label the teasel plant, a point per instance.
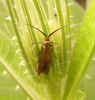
(74, 48)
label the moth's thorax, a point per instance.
(46, 44)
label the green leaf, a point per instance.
(88, 84)
(8, 88)
(12, 63)
(83, 52)
(42, 16)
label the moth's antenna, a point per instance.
(34, 27)
(61, 28)
(57, 30)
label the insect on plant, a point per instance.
(45, 53)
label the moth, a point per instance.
(45, 53)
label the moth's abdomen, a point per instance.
(45, 58)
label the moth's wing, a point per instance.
(41, 61)
(47, 68)
(47, 60)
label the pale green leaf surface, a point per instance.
(8, 88)
(7, 84)
(88, 84)
(11, 62)
(42, 16)
(83, 52)
(3, 17)
(76, 15)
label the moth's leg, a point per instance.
(54, 43)
(37, 61)
(38, 54)
(53, 51)
(51, 64)
(37, 43)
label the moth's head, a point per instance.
(47, 39)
